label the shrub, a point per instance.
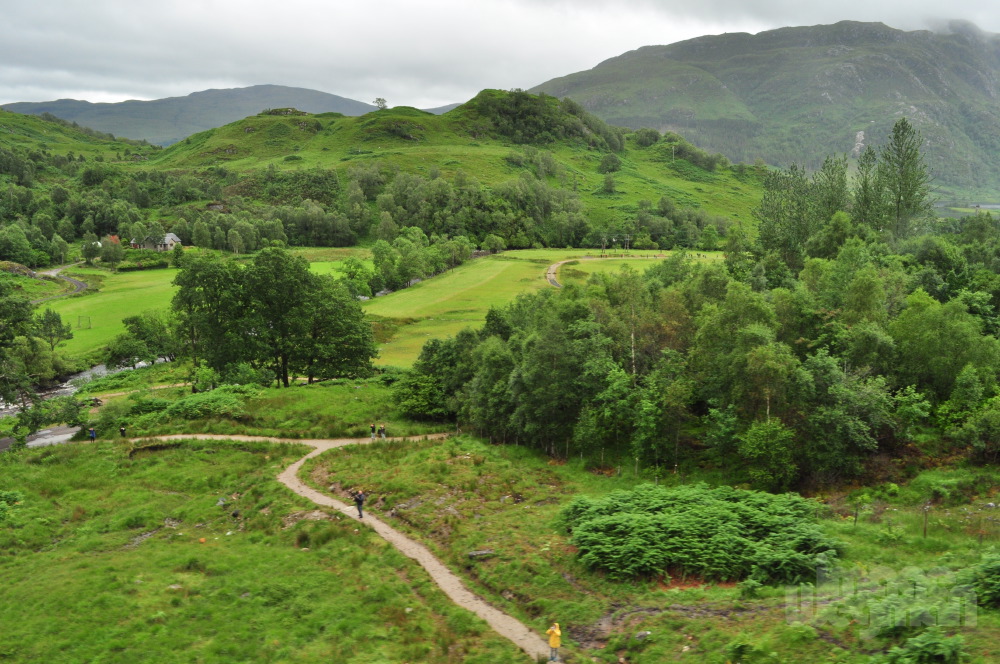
(645, 137)
(7, 501)
(129, 266)
(930, 647)
(227, 401)
(610, 164)
(722, 533)
(984, 578)
(150, 405)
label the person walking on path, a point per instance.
(359, 500)
(381, 431)
(93, 434)
(555, 640)
(121, 430)
(373, 431)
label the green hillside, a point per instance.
(461, 140)
(625, 454)
(59, 137)
(797, 94)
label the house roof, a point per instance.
(167, 239)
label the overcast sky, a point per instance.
(422, 53)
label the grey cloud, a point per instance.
(419, 54)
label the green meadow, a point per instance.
(578, 271)
(96, 314)
(442, 306)
(193, 552)
(438, 307)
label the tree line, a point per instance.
(798, 359)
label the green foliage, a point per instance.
(645, 137)
(929, 647)
(767, 448)
(271, 313)
(720, 533)
(8, 499)
(228, 401)
(984, 579)
(610, 164)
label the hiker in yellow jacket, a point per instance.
(554, 642)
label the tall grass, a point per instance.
(119, 555)
(462, 495)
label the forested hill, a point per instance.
(798, 94)
(507, 169)
(166, 121)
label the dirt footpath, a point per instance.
(507, 626)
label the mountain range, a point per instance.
(792, 95)
(799, 94)
(166, 121)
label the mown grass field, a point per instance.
(438, 307)
(115, 296)
(443, 305)
(115, 554)
(577, 272)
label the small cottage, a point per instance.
(166, 244)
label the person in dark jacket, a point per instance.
(359, 500)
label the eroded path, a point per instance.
(504, 625)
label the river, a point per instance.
(56, 434)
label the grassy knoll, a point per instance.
(135, 380)
(422, 143)
(146, 402)
(61, 138)
(462, 495)
(115, 554)
(117, 295)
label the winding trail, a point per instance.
(78, 286)
(503, 624)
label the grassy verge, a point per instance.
(115, 554)
(461, 496)
(33, 289)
